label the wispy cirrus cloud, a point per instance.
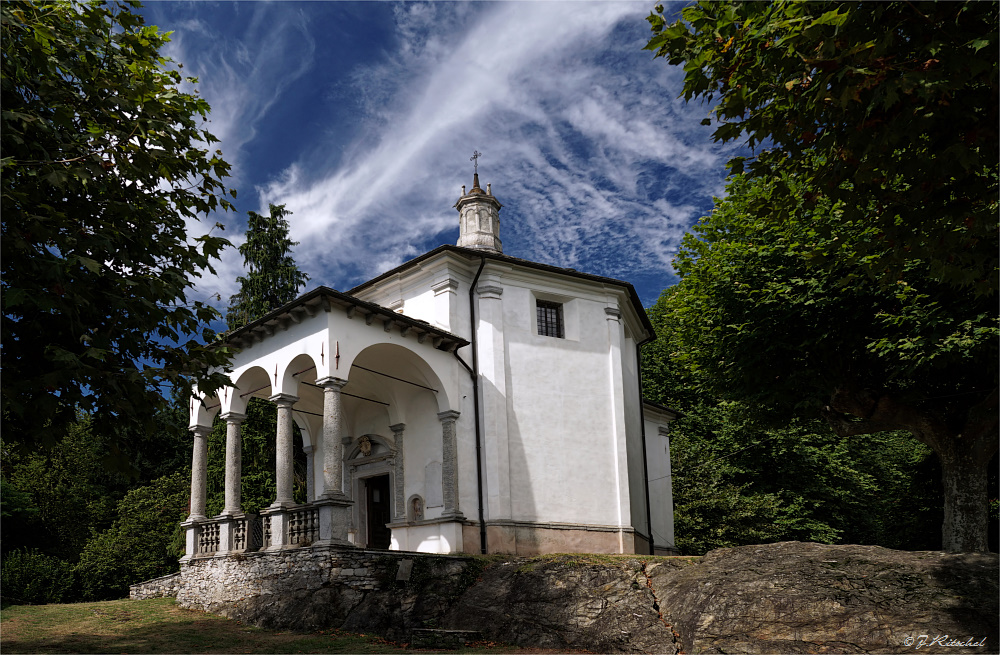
(571, 116)
(600, 167)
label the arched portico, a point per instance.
(340, 369)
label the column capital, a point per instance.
(284, 399)
(447, 285)
(331, 382)
(200, 430)
(449, 415)
(233, 417)
(397, 428)
(488, 291)
(308, 449)
(613, 313)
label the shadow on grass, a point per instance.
(159, 626)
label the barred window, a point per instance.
(550, 319)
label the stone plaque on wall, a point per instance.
(432, 485)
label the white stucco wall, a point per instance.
(560, 417)
(660, 487)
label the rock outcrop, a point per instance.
(811, 598)
(777, 598)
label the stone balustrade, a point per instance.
(303, 526)
(208, 538)
(253, 532)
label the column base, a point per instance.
(334, 520)
(190, 527)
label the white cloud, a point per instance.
(599, 165)
(564, 135)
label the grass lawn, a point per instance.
(159, 626)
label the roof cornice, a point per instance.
(327, 299)
(548, 268)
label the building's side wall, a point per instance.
(563, 447)
(660, 486)
(634, 445)
(561, 433)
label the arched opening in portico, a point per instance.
(393, 444)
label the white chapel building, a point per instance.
(465, 401)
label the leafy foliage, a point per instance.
(756, 324)
(766, 328)
(274, 278)
(738, 480)
(30, 577)
(141, 543)
(103, 165)
(897, 98)
(64, 493)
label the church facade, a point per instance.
(465, 401)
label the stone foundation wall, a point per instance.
(787, 597)
(163, 587)
(307, 588)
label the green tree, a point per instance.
(899, 99)
(30, 577)
(103, 163)
(273, 278)
(760, 326)
(738, 480)
(61, 495)
(142, 542)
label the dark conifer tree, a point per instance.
(273, 277)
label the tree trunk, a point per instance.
(966, 508)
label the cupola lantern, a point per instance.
(479, 215)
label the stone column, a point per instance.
(232, 510)
(283, 449)
(333, 430)
(398, 471)
(283, 499)
(310, 482)
(334, 505)
(199, 484)
(233, 462)
(449, 464)
(199, 472)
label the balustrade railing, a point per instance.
(240, 533)
(253, 531)
(265, 540)
(208, 538)
(303, 526)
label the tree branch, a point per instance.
(845, 427)
(880, 412)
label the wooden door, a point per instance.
(377, 492)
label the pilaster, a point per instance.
(449, 464)
(491, 343)
(616, 338)
(310, 452)
(399, 468)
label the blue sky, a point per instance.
(362, 117)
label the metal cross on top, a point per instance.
(475, 160)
